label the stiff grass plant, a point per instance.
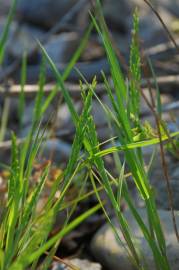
(25, 235)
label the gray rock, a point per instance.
(98, 112)
(5, 6)
(100, 117)
(111, 254)
(151, 30)
(171, 5)
(12, 28)
(85, 264)
(27, 117)
(45, 13)
(80, 264)
(24, 40)
(112, 9)
(56, 150)
(29, 111)
(61, 48)
(162, 194)
(158, 181)
(64, 120)
(175, 172)
(11, 32)
(165, 99)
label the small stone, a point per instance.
(5, 6)
(57, 150)
(175, 173)
(170, 5)
(24, 41)
(12, 27)
(61, 48)
(112, 254)
(162, 199)
(112, 9)
(45, 13)
(85, 264)
(64, 120)
(100, 117)
(29, 111)
(80, 264)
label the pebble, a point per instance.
(64, 120)
(56, 150)
(5, 6)
(112, 254)
(61, 47)
(111, 10)
(171, 5)
(162, 194)
(24, 40)
(79, 263)
(45, 13)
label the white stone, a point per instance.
(112, 254)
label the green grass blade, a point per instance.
(61, 85)
(77, 144)
(157, 255)
(139, 144)
(6, 30)
(78, 53)
(13, 203)
(135, 71)
(21, 105)
(40, 251)
(4, 118)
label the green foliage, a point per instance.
(135, 71)
(21, 104)
(5, 33)
(25, 233)
(133, 156)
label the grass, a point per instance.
(25, 235)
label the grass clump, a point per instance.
(24, 234)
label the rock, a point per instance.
(44, 13)
(112, 9)
(61, 48)
(153, 33)
(80, 264)
(24, 40)
(100, 117)
(144, 108)
(162, 194)
(27, 117)
(159, 182)
(56, 150)
(171, 5)
(112, 254)
(175, 173)
(92, 51)
(150, 34)
(172, 127)
(12, 29)
(64, 120)
(120, 26)
(5, 6)
(98, 111)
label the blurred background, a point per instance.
(60, 26)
